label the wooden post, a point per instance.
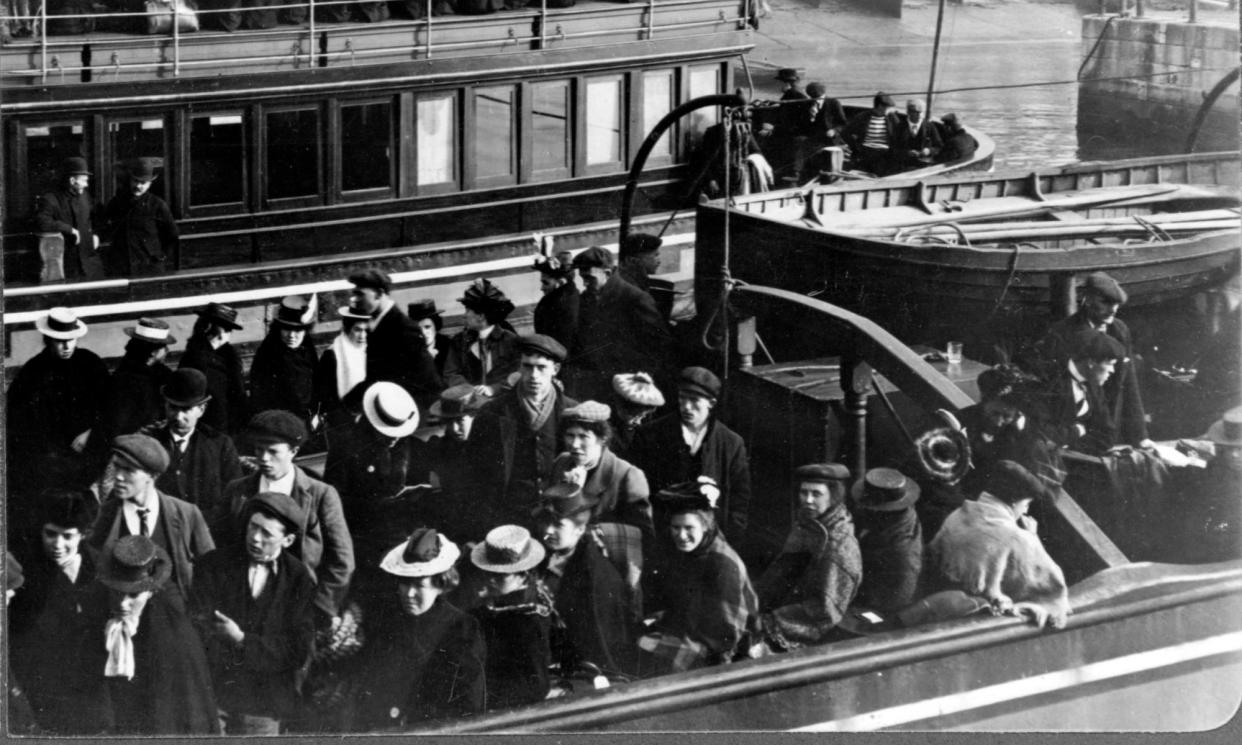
(1062, 295)
(855, 383)
(1194, 11)
(746, 342)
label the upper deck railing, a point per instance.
(175, 53)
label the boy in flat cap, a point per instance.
(251, 603)
(137, 507)
(804, 593)
(324, 544)
(395, 348)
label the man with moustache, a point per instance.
(68, 211)
(140, 227)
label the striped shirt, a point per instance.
(877, 133)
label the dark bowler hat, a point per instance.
(425, 553)
(152, 331)
(295, 312)
(640, 243)
(816, 89)
(1089, 344)
(542, 344)
(276, 425)
(507, 549)
(135, 564)
(882, 99)
(595, 256)
(1011, 482)
(221, 314)
(455, 402)
(75, 166)
(562, 500)
(420, 309)
(788, 74)
(699, 381)
(65, 508)
(884, 490)
(277, 506)
(143, 169)
(371, 278)
(185, 388)
(821, 473)
(141, 451)
(1106, 287)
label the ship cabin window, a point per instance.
(603, 124)
(130, 139)
(659, 96)
(367, 165)
(293, 164)
(435, 121)
(217, 161)
(551, 147)
(495, 128)
(39, 152)
(702, 80)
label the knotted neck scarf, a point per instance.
(119, 639)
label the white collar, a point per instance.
(283, 485)
(1076, 374)
(129, 510)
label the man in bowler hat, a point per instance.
(70, 211)
(201, 459)
(140, 227)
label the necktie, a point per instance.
(142, 522)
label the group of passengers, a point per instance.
(807, 137)
(501, 517)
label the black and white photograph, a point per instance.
(656, 368)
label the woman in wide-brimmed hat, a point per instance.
(211, 352)
(430, 323)
(484, 353)
(147, 651)
(556, 313)
(282, 375)
(516, 617)
(423, 658)
(342, 369)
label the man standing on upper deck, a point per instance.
(140, 226)
(396, 351)
(69, 211)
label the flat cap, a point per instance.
(882, 99)
(276, 425)
(587, 411)
(595, 256)
(542, 344)
(637, 388)
(639, 243)
(141, 451)
(279, 506)
(699, 381)
(1105, 286)
(1010, 482)
(1089, 344)
(821, 472)
(372, 278)
(816, 89)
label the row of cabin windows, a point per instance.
(519, 133)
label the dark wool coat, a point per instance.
(61, 212)
(831, 115)
(1055, 413)
(416, 669)
(451, 507)
(283, 378)
(143, 234)
(134, 398)
(592, 601)
(616, 489)
(49, 625)
(396, 352)
(710, 603)
(229, 407)
(512, 459)
(891, 544)
(171, 692)
(50, 402)
(462, 367)
(958, 146)
(619, 330)
(186, 536)
(556, 314)
(662, 454)
(927, 136)
(324, 544)
(198, 475)
(327, 401)
(814, 579)
(366, 468)
(258, 677)
(517, 630)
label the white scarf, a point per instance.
(351, 364)
(120, 632)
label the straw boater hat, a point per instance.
(61, 323)
(425, 554)
(455, 402)
(135, 565)
(348, 313)
(637, 388)
(884, 490)
(153, 331)
(507, 549)
(390, 409)
(1228, 429)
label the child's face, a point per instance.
(59, 542)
